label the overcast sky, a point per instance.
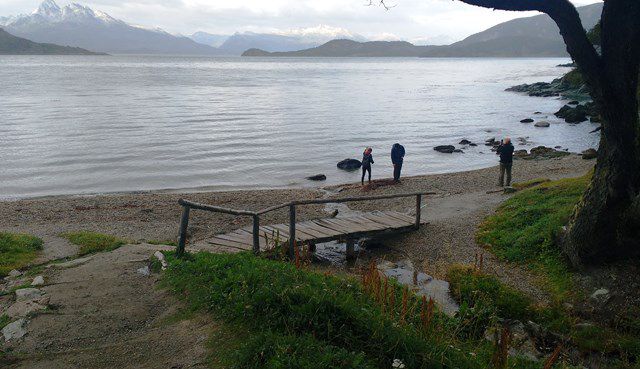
(433, 20)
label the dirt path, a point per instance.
(106, 314)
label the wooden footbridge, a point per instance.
(348, 228)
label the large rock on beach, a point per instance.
(446, 149)
(349, 164)
(589, 154)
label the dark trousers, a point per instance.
(505, 167)
(366, 169)
(397, 168)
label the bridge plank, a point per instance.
(320, 230)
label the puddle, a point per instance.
(335, 253)
(404, 272)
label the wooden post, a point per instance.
(418, 210)
(256, 234)
(292, 231)
(184, 223)
(351, 252)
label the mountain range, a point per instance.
(80, 26)
(535, 36)
(12, 45)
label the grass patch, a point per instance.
(530, 183)
(4, 320)
(91, 242)
(299, 318)
(17, 251)
(483, 292)
(525, 227)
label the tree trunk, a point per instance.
(606, 223)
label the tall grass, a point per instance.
(300, 318)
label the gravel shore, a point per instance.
(461, 203)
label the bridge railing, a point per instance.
(188, 205)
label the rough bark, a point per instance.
(606, 223)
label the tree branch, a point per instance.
(381, 3)
(511, 5)
(565, 15)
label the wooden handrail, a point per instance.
(187, 205)
(215, 209)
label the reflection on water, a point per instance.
(405, 273)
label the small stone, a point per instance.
(38, 281)
(161, 259)
(14, 330)
(527, 120)
(27, 294)
(601, 295)
(465, 142)
(15, 273)
(144, 271)
(542, 123)
(24, 308)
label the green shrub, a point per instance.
(297, 306)
(481, 290)
(91, 242)
(17, 251)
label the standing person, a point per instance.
(397, 157)
(367, 160)
(505, 150)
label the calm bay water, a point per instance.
(71, 124)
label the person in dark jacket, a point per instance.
(505, 150)
(397, 157)
(367, 160)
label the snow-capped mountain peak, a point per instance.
(49, 10)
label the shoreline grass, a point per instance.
(294, 317)
(17, 251)
(525, 228)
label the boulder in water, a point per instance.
(572, 115)
(349, 164)
(317, 177)
(446, 149)
(527, 120)
(542, 123)
(465, 142)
